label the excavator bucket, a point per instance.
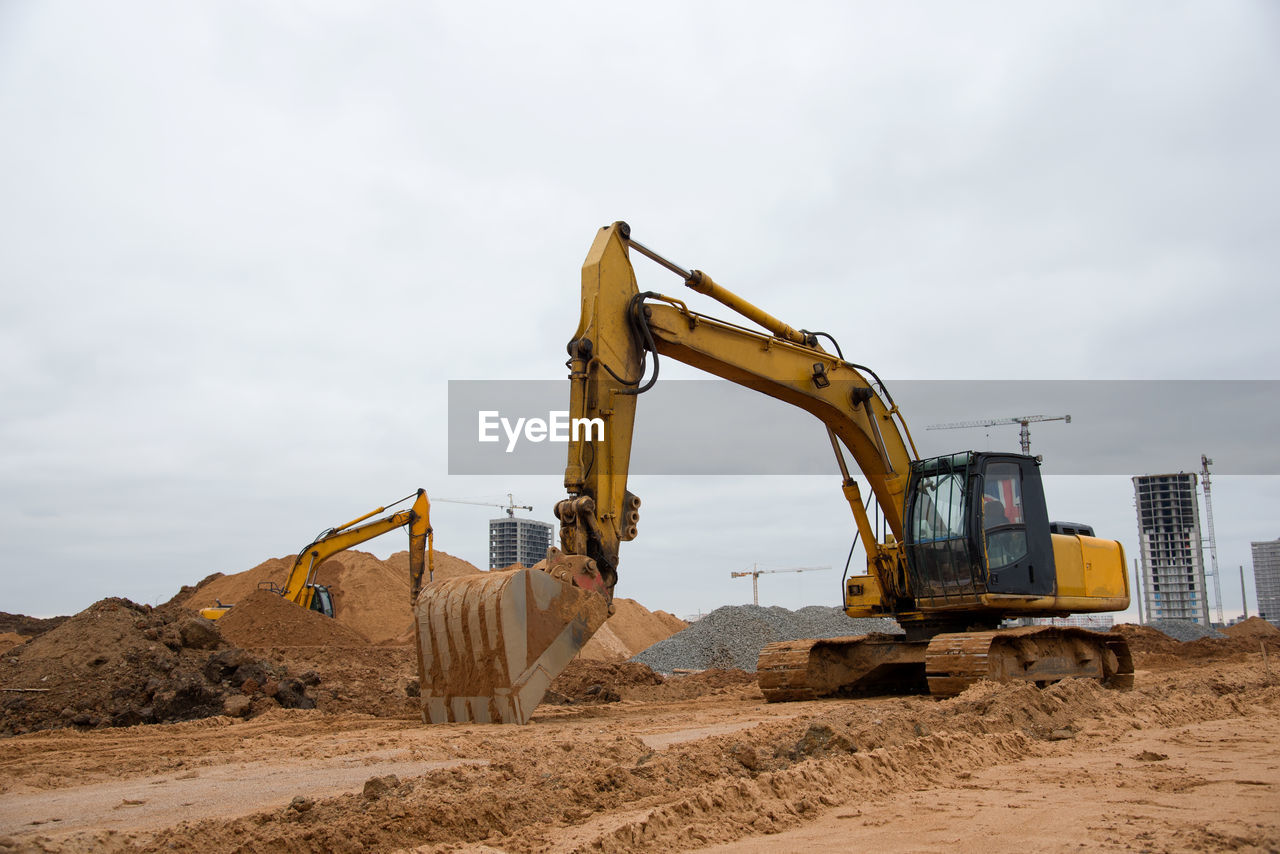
(490, 644)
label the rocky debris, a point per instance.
(118, 663)
(731, 637)
(1184, 630)
(376, 787)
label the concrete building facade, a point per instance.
(1266, 579)
(1172, 556)
(515, 540)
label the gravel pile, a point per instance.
(732, 636)
(1184, 630)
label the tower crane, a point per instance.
(511, 507)
(1205, 462)
(755, 572)
(1023, 420)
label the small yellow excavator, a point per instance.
(300, 586)
(966, 542)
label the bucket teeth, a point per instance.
(490, 644)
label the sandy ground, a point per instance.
(1187, 761)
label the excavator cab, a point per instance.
(978, 539)
(976, 524)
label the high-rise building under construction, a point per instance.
(516, 540)
(1266, 579)
(1173, 583)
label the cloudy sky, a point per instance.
(244, 247)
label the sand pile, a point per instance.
(1153, 649)
(118, 663)
(1254, 627)
(264, 618)
(632, 629)
(370, 595)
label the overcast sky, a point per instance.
(245, 246)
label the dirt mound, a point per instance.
(1146, 640)
(703, 683)
(21, 624)
(1251, 628)
(1154, 650)
(230, 589)
(264, 619)
(370, 595)
(118, 663)
(598, 682)
(11, 639)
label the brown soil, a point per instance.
(264, 618)
(1155, 650)
(21, 624)
(620, 759)
(587, 681)
(11, 639)
(370, 595)
(371, 598)
(120, 664)
(1188, 760)
(1251, 628)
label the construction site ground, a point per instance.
(126, 727)
(1187, 761)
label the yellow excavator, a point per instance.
(300, 585)
(966, 539)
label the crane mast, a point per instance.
(1205, 462)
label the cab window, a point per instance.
(1003, 518)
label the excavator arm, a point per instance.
(300, 584)
(621, 326)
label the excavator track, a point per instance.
(943, 666)
(809, 669)
(1039, 654)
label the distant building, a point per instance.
(1173, 584)
(1266, 579)
(516, 540)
